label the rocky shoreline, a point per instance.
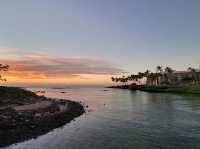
(24, 115)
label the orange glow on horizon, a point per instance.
(43, 68)
(82, 79)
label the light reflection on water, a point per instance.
(122, 119)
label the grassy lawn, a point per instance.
(190, 89)
(193, 89)
(15, 91)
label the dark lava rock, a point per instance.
(17, 126)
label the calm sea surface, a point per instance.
(122, 119)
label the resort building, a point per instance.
(175, 78)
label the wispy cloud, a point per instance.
(46, 66)
(5, 50)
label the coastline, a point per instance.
(25, 115)
(184, 89)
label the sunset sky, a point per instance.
(87, 41)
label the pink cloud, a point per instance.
(45, 66)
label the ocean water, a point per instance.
(123, 119)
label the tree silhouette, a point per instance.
(113, 79)
(162, 76)
(194, 74)
(159, 69)
(3, 68)
(169, 75)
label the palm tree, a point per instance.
(159, 74)
(129, 78)
(194, 74)
(3, 68)
(169, 70)
(151, 79)
(169, 74)
(124, 80)
(147, 72)
(159, 69)
(157, 78)
(113, 79)
(117, 80)
(140, 75)
(132, 77)
(148, 77)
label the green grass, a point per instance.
(188, 89)
(193, 89)
(15, 91)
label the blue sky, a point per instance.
(131, 34)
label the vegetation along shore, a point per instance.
(163, 80)
(25, 115)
